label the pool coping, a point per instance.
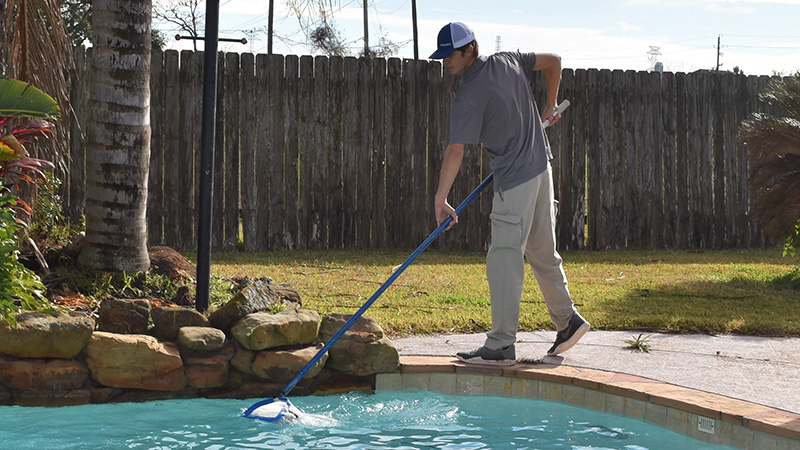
(736, 423)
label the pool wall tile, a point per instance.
(442, 382)
(497, 386)
(415, 380)
(766, 441)
(614, 404)
(574, 395)
(389, 382)
(678, 420)
(656, 414)
(469, 383)
(730, 434)
(549, 390)
(738, 423)
(635, 408)
(594, 399)
(525, 388)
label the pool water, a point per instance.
(385, 420)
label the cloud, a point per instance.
(629, 27)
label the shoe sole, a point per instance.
(488, 362)
(569, 343)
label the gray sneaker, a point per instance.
(502, 357)
(568, 337)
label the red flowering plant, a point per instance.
(25, 115)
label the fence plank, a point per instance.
(669, 154)
(334, 122)
(705, 176)
(155, 182)
(319, 158)
(175, 146)
(79, 96)
(309, 227)
(394, 132)
(274, 154)
(291, 183)
(378, 123)
(594, 170)
(230, 155)
(350, 154)
(247, 152)
(683, 116)
(364, 150)
(573, 214)
(260, 199)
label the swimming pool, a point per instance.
(409, 419)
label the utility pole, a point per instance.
(414, 25)
(719, 38)
(269, 26)
(366, 30)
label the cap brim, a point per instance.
(442, 53)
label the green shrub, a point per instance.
(20, 288)
(49, 227)
(100, 285)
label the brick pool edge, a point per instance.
(737, 423)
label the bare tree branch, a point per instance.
(184, 14)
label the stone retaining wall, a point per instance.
(134, 352)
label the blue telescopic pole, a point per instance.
(383, 287)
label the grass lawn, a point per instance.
(732, 291)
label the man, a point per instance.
(494, 106)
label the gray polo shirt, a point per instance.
(494, 106)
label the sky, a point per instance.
(760, 37)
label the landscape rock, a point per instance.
(243, 360)
(263, 330)
(168, 320)
(42, 374)
(281, 366)
(39, 335)
(196, 340)
(61, 398)
(362, 350)
(5, 396)
(255, 296)
(124, 316)
(134, 361)
(210, 370)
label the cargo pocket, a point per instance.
(506, 231)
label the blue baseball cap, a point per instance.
(451, 37)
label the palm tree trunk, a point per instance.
(118, 147)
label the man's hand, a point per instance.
(443, 211)
(549, 111)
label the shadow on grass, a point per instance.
(741, 306)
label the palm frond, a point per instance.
(20, 99)
(773, 153)
(38, 51)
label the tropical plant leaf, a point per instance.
(6, 152)
(20, 99)
(773, 153)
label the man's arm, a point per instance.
(450, 166)
(550, 64)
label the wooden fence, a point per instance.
(318, 152)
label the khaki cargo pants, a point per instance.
(523, 227)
